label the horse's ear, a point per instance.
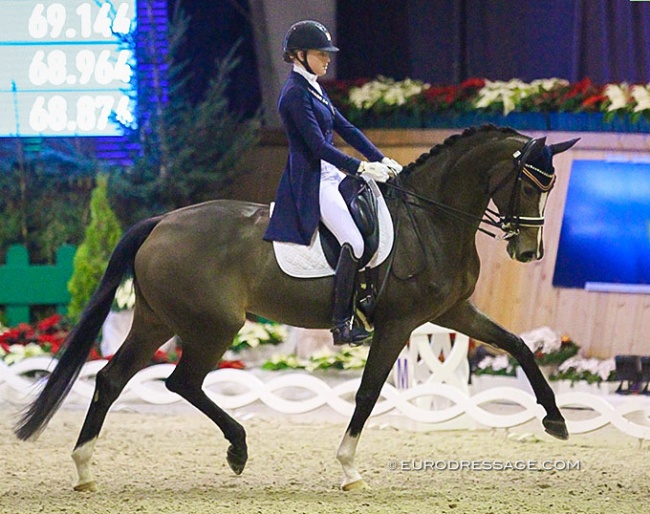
(557, 148)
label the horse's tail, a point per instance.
(80, 340)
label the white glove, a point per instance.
(374, 170)
(394, 166)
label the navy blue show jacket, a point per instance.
(309, 121)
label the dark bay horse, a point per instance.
(199, 270)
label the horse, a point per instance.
(200, 270)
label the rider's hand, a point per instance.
(394, 166)
(374, 170)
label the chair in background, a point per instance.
(628, 371)
(645, 374)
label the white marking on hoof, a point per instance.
(81, 457)
(345, 456)
(88, 487)
(355, 486)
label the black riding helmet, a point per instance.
(306, 35)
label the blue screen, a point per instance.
(66, 70)
(605, 237)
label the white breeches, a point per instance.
(336, 216)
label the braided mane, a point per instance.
(452, 140)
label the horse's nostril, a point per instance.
(526, 256)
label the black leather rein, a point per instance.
(509, 223)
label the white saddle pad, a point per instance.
(309, 261)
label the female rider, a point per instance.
(308, 190)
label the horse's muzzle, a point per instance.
(525, 249)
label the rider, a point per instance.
(308, 190)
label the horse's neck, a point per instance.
(458, 176)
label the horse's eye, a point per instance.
(529, 190)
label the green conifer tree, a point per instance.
(191, 151)
(91, 258)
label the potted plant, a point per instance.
(494, 371)
(550, 349)
(384, 103)
(91, 257)
(585, 375)
(41, 339)
(118, 322)
(257, 341)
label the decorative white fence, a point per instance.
(421, 389)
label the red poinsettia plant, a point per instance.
(442, 98)
(370, 101)
(583, 96)
(47, 337)
(49, 334)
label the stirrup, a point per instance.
(344, 332)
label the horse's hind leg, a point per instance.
(466, 318)
(200, 354)
(146, 335)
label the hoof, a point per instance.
(88, 487)
(556, 428)
(237, 457)
(357, 485)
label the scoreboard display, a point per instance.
(65, 67)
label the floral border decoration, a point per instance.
(544, 104)
(559, 353)
(46, 339)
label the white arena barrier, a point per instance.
(422, 389)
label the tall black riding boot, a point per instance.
(342, 315)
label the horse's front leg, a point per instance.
(385, 348)
(467, 319)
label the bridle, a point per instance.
(510, 222)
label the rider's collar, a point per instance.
(310, 77)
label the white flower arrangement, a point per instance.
(540, 85)
(279, 362)
(618, 95)
(385, 91)
(510, 94)
(542, 339)
(547, 95)
(254, 334)
(641, 96)
(549, 347)
(347, 359)
(18, 352)
(497, 365)
(125, 296)
(590, 370)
